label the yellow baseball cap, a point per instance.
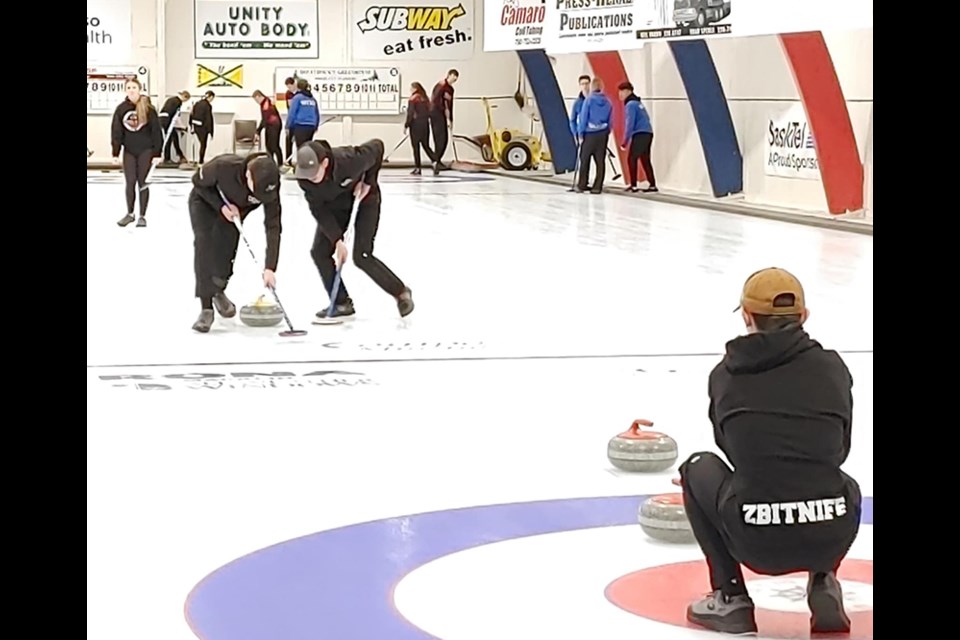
(772, 292)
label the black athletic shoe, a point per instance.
(436, 168)
(224, 306)
(142, 222)
(405, 302)
(125, 220)
(342, 310)
(651, 190)
(825, 598)
(415, 172)
(204, 322)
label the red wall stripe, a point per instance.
(840, 168)
(608, 66)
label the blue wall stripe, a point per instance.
(712, 115)
(552, 108)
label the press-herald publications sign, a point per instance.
(671, 19)
(412, 29)
(512, 25)
(790, 151)
(109, 28)
(577, 26)
(256, 29)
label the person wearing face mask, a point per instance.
(781, 407)
(137, 131)
(331, 179)
(245, 184)
(418, 125)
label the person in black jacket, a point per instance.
(781, 407)
(136, 129)
(331, 179)
(201, 119)
(168, 115)
(246, 183)
(418, 124)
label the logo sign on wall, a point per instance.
(576, 26)
(790, 151)
(265, 29)
(412, 29)
(106, 86)
(670, 19)
(109, 29)
(222, 76)
(346, 91)
(510, 25)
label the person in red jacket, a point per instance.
(441, 116)
(418, 124)
(269, 121)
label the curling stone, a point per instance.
(261, 313)
(647, 451)
(664, 518)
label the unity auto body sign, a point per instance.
(511, 25)
(412, 29)
(271, 29)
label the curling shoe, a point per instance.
(342, 310)
(405, 302)
(825, 598)
(204, 322)
(125, 220)
(142, 222)
(724, 614)
(224, 306)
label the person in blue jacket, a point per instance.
(593, 130)
(578, 103)
(637, 137)
(303, 116)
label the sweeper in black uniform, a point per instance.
(781, 408)
(331, 178)
(245, 183)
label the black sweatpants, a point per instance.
(420, 138)
(173, 139)
(135, 170)
(593, 147)
(303, 135)
(203, 135)
(640, 147)
(438, 125)
(365, 232)
(271, 140)
(717, 525)
(215, 242)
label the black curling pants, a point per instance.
(731, 533)
(303, 135)
(438, 125)
(593, 147)
(640, 148)
(271, 140)
(420, 138)
(215, 242)
(135, 170)
(203, 135)
(365, 232)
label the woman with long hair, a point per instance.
(418, 124)
(136, 129)
(269, 120)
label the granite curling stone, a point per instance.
(664, 518)
(261, 313)
(643, 451)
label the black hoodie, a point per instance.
(781, 407)
(135, 137)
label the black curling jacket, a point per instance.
(228, 173)
(135, 137)
(331, 199)
(201, 117)
(782, 408)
